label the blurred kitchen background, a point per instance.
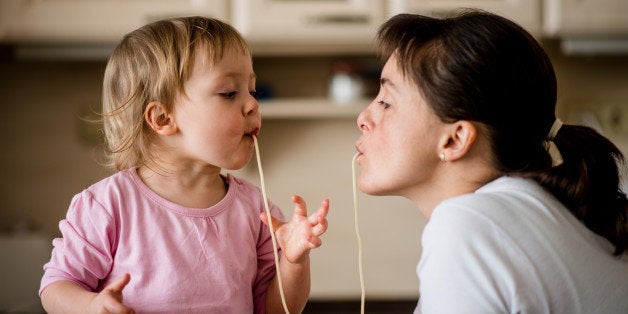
(316, 67)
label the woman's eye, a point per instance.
(384, 104)
(228, 95)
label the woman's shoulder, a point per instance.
(500, 204)
(497, 197)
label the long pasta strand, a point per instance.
(357, 232)
(270, 225)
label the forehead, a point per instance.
(394, 73)
(231, 60)
(402, 88)
(390, 67)
(215, 45)
(393, 77)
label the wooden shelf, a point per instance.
(310, 108)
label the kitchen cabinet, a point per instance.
(310, 27)
(526, 13)
(588, 27)
(91, 21)
(569, 18)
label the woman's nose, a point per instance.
(362, 120)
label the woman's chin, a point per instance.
(373, 189)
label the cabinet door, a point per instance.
(314, 24)
(585, 17)
(526, 13)
(92, 21)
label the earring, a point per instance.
(442, 157)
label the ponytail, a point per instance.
(588, 182)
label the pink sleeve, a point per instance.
(84, 252)
(265, 263)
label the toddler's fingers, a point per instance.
(324, 208)
(118, 285)
(321, 213)
(319, 229)
(113, 306)
(276, 222)
(315, 242)
(299, 205)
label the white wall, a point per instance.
(312, 158)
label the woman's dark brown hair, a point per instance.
(480, 67)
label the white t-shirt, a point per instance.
(512, 247)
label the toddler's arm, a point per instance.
(296, 238)
(68, 297)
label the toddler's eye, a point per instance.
(384, 104)
(255, 94)
(228, 95)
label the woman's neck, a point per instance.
(454, 179)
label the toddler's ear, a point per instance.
(159, 119)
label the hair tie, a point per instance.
(552, 149)
(554, 129)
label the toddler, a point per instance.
(168, 233)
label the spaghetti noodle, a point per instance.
(270, 225)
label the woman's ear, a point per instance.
(458, 141)
(159, 119)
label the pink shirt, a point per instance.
(181, 260)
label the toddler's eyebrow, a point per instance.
(237, 74)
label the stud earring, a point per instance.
(442, 157)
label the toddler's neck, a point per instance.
(202, 188)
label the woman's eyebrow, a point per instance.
(387, 82)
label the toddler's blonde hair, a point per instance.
(151, 64)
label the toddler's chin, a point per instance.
(240, 164)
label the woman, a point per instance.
(525, 214)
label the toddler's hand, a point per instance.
(109, 300)
(302, 233)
